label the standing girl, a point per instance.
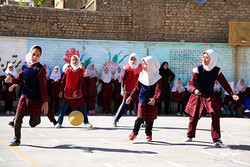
(91, 78)
(106, 90)
(177, 96)
(34, 97)
(148, 88)
(128, 83)
(202, 97)
(8, 96)
(167, 77)
(2, 77)
(55, 79)
(117, 88)
(71, 84)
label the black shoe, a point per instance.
(55, 123)
(11, 123)
(15, 142)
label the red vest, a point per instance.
(132, 77)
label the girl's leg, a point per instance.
(120, 112)
(178, 107)
(246, 103)
(84, 112)
(51, 103)
(137, 125)
(166, 106)
(215, 126)
(57, 104)
(109, 106)
(34, 120)
(62, 113)
(93, 99)
(18, 125)
(148, 129)
(192, 125)
(104, 106)
(8, 106)
(183, 107)
(88, 103)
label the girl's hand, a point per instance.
(197, 92)
(92, 76)
(122, 93)
(101, 77)
(152, 101)
(74, 95)
(45, 108)
(235, 97)
(113, 76)
(60, 94)
(128, 100)
(12, 87)
(8, 79)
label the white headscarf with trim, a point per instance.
(118, 74)
(151, 76)
(7, 71)
(232, 87)
(65, 66)
(106, 78)
(91, 72)
(27, 57)
(239, 86)
(55, 75)
(213, 60)
(137, 62)
(175, 87)
(77, 66)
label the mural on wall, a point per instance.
(182, 57)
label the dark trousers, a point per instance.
(148, 128)
(117, 104)
(181, 106)
(215, 126)
(8, 105)
(106, 106)
(91, 102)
(34, 121)
(56, 101)
(166, 106)
(122, 109)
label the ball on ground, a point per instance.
(76, 118)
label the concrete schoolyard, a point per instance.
(107, 146)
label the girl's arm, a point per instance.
(18, 80)
(158, 89)
(62, 85)
(172, 76)
(79, 85)
(43, 88)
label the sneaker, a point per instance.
(133, 112)
(189, 139)
(58, 125)
(128, 112)
(184, 115)
(247, 111)
(88, 125)
(15, 142)
(115, 124)
(8, 112)
(12, 112)
(218, 143)
(149, 138)
(132, 136)
(11, 123)
(89, 112)
(178, 114)
(93, 111)
(54, 123)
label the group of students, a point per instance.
(140, 84)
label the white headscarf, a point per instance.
(175, 87)
(137, 62)
(1, 72)
(213, 60)
(7, 71)
(77, 66)
(65, 66)
(118, 74)
(27, 57)
(55, 75)
(89, 71)
(232, 87)
(106, 78)
(239, 86)
(151, 76)
(217, 86)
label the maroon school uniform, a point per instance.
(117, 94)
(217, 96)
(91, 92)
(54, 94)
(106, 95)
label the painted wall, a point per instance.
(182, 57)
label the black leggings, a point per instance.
(148, 128)
(34, 121)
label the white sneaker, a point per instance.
(58, 126)
(88, 125)
(133, 112)
(128, 112)
(218, 143)
(189, 139)
(247, 111)
(8, 112)
(178, 114)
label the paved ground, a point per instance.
(107, 146)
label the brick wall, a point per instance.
(132, 20)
